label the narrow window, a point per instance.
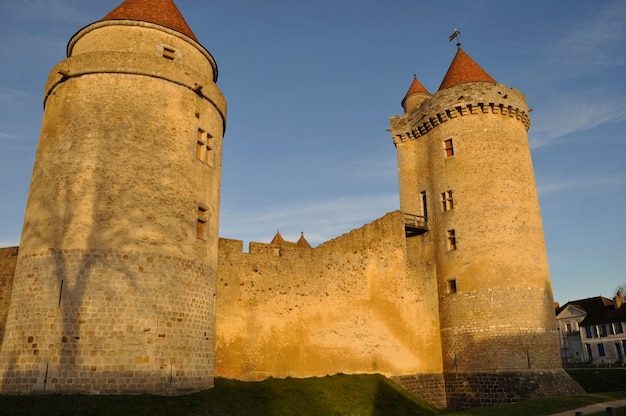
(169, 53)
(618, 349)
(618, 328)
(448, 147)
(203, 147)
(201, 226)
(601, 352)
(451, 236)
(603, 330)
(589, 353)
(424, 205)
(452, 286)
(610, 329)
(446, 201)
(588, 332)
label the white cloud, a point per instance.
(596, 41)
(582, 183)
(572, 112)
(320, 221)
(8, 136)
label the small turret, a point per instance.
(415, 96)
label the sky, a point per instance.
(311, 85)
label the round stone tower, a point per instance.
(467, 186)
(114, 290)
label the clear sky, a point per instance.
(311, 86)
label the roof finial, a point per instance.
(455, 35)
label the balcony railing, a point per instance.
(414, 224)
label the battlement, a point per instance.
(460, 101)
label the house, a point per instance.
(603, 333)
(568, 318)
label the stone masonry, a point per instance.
(121, 283)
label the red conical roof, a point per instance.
(278, 239)
(462, 70)
(160, 12)
(302, 242)
(415, 88)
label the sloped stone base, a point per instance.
(460, 391)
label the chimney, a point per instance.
(618, 299)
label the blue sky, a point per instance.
(311, 86)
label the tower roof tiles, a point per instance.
(160, 12)
(464, 69)
(415, 88)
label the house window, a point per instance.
(201, 225)
(618, 350)
(446, 201)
(203, 147)
(569, 327)
(603, 330)
(618, 328)
(452, 286)
(448, 147)
(589, 353)
(601, 352)
(451, 236)
(610, 329)
(168, 52)
(588, 332)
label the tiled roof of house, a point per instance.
(464, 69)
(415, 88)
(588, 304)
(607, 314)
(160, 12)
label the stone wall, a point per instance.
(469, 390)
(350, 305)
(8, 259)
(114, 322)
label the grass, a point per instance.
(366, 395)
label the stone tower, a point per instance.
(115, 282)
(467, 189)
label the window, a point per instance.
(603, 330)
(588, 332)
(424, 204)
(203, 147)
(610, 329)
(569, 327)
(201, 226)
(601, 352)
(594, 331)
(446, 201)
(618, 328)
(618, 350)
(589, 353)
(169, 52)
(451, 236)
(448, 147)
(452, 286)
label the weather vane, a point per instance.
(455, 35)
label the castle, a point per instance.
(122, 285)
